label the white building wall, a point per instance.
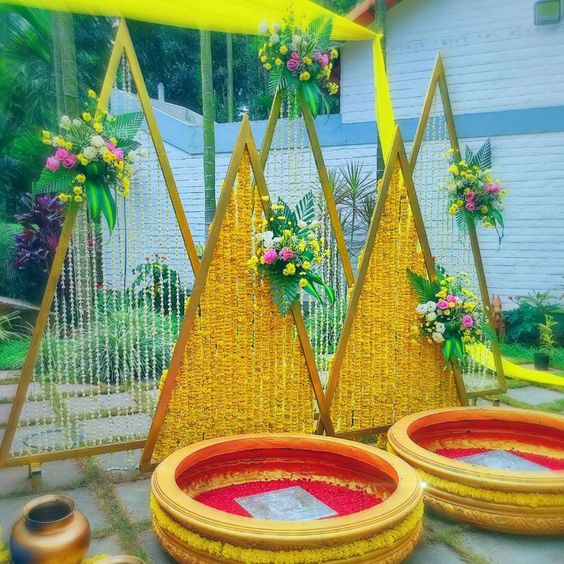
(496, 59)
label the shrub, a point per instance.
(10, 276)
(522, 323)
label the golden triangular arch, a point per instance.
(123, 45)
(245, 144)
(397, 164)
(438, 80)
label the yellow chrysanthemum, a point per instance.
(289, 270)
(267, 66)
(98, 127)
(77, 190)
(91, 93)
(305, 76)
(306, 265)
(78, 198)
(86, 116)
(283, 50)
(263, 59)
(302, 282)
(307, 60)
(278, 62)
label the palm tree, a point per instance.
(64, 63)
(229, 57)
(209, 131)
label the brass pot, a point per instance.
(51, 530)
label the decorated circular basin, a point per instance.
(285, 498)
(499, 469)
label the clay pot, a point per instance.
(51, 530)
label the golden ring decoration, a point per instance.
(504, 500)
(192, 532)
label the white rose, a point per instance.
(421, 309)
(431, 316)
(132, 155)
(263, 28)
(97, 141)
(275, 38)
(439, 327)
(76, 122)
(438, 338)
(431, 306)
(90, 153)
(56, 140)
(302, 224)
(276, 27)
(65, 122)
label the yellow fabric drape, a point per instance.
(239, 16)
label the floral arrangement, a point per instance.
(92, 157)
(473, 191)
(287, 252)
(300, 60)
(449, 312)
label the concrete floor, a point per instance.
(445, 542)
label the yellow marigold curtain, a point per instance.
(238, 16)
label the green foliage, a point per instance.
(159, 285)
(483, 158)
(130, 340)
(10, 277)
(13, 353)
(524, 354)
(11, 326)
(425, 290)
(547, 341)
(522, 322)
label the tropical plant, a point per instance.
(11, 326)
(547, 342)
(36, 243)
(160, 285)
(11, 283)
(522, 323)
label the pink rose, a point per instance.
(492, 188)
(467, 321)
(118, 152)
(61, 154)
(270, 256)
(470, 206)
(442, 304)
(451, 298)
(53, 164)
(293, 62)
(69, 161)
(322, 58)
(286, 253)
(110, 146)
(469, 196)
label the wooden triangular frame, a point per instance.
(397, 155)
(245, 142)
(315, 146)
(438, 78)
(122, 45)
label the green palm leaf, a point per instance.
(108, 206)
(50, 182)
(124, 126)
(285, 291)
(483, 158)
(305, 208)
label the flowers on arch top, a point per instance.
(300, 60)
(92, 159)
(473, 192)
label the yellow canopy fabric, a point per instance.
(238, 16)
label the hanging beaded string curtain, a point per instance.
(381, 372)
(452, 247)
(116, 309)
(295, 167)
(238, 366)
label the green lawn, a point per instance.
(12, 353)
(522, 354)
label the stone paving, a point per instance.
(445, 542)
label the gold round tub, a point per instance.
(522, 501)
(191, 531)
